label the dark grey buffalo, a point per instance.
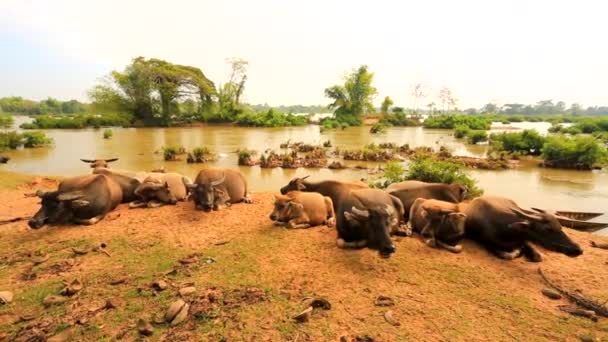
(409, 191)
(96, 163)
(83, 200)
(506, 230)
(158, 189)
(218, 188)
(440, 223)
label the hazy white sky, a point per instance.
(505, 51)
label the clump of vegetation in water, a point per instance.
(170, 152)
(6, 121)
(579, 152)
(583, 125)
(245, 157)
(370, 152)
(461, 131)
(14, 140)
(474, 137)
(399, 118)
(527, 142)
(327, 144)
(453, 121)
(200, 155)
(379, 127)
(331, 123)
(107, 133)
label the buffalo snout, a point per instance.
(387, 251)
(35, 224)
(574, 251)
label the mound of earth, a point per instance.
(246, 279)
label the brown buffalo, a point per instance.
(409, 191)
(97, 163)
(218, 188)
(83, 200)
(158, 189)
(303, 209)
(506, 230)
(441, 224)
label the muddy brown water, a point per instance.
(136, 147)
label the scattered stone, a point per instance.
(209, 260)
(53, 300)
(160, 285)
(384, 301)
(549, 293)
(144, 327)
(364, 338)
(158, 319)
(26, 317)
(588, 338)
(103, 245)
(221, 242)
(573, 310)
(388, 317)
(63, 336)
(174, 309)
(303, 316)
(188, 260)
(601, 245)
(79, 251)
(186, 291)
(6, 297)
(39, 259)
(118, 281)
(181, 315)
(320, 303)
(72, 288)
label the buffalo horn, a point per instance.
(111, 160)
(532, 217)
(40, 193)
(219, 181)
(303, 178)
(87, 160)
(359, 212)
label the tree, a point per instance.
(354, 98)
(418, 92)
(444, 96)
(386, 104)
(431, 107)
(490, 108)
(229, 94)
(576, 109)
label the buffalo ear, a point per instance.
(519, 225)
(192, 186)
(79, 203)
(70, 196)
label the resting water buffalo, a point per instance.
(409, 191)
(96, 163)
(4, 160)
(440, 223)
(365, 217)
(303, 209)
(83, 200)
(338, 191)
(158, 189)
(127, 181)
(217, 188)
(506, 230)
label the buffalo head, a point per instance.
(544, 228)
(459, 190)
(56, 207)
(99, 163)
(377, 222)
(285, 209)
(296, 184)
(452, 229)
(153, 190)
(210, 195)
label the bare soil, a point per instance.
(251, 278)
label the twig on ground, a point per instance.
(14, 219)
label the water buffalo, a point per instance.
(83, 200)
(4, 160)
(128, 182)
(303, 209)
(409, 191)
(158, 189)
(97, 163)
(338, 191)
(506, 230)
(441, 224)
(365, 217)
(217, 188)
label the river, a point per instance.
(136, 147)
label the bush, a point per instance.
(10, 140)
(393, 173)
(452, 121)
(475, 137)
(436, 171)
(579, 152)
(170, 153)
(527, 142)
(35, 139)
(271, 118)
(461, 132)
(78, 121)
(107, 134)
(400, 119)
(6, 121)
(379, 127)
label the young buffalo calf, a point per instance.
(303, 209)
(440, 223)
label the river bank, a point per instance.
(265, 272)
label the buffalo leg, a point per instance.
(298, 223)
(531, 253)
(453, 249)
(331, 215)
(91, 221)
(506, 255)
(155, 204)
(428, 235)
(351, 244)
(280, 223)
(247, 199)
(137, 204)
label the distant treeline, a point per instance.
(19, 105)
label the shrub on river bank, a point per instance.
(474, 137)
(78, 121)
(428, 170)
(14, 140)
(585, 125)
(452, 121)
(527, 142)
(579, 152)
(271, 118)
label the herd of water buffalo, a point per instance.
(363, 216)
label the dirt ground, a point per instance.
(251, 278)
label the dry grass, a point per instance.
(438, 295)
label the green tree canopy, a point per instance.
(386, 105)
(355, 97)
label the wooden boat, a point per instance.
(585, 226)
(578, 215)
